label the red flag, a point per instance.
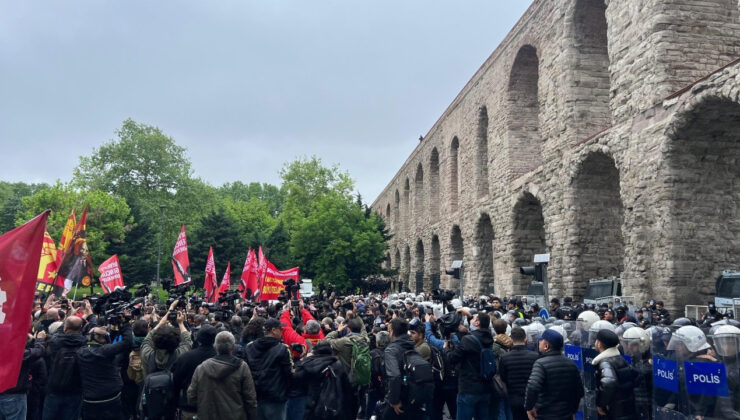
(261, 269)
(248, 285)
(180, 260)
(272, 284)
(20, 252)
(225, 282)
(83, 221)
(110, 274)
(210, 282)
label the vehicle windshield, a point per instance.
(536, 289)
(598, 290)
(729, 288)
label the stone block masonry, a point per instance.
(606, 133)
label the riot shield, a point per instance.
(726, 344)
(689, 380)
(636, 347)
(574, 353)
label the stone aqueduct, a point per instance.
(606, 133)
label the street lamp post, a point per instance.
(159, 240)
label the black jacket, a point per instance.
(183, 369)
(514, 369)
(310, 371)
(272, 368)
(57, 342)
(101, 376)
(615, 382)
(394, 366)
(33, 352)
(554, 388)
(467, 357)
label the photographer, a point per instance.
(64, 390)
(165, 343)
(445, 390)
(101, 376)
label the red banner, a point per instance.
(248, 284)
(210, 282)
(111, 277)
(273, 281)
(180, 260)
(20, 252)
(225, 282)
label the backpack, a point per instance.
(331, 395)
(135, 371)
(65, 375)
(377, 370)
(487, 361)
(158, 392)
(359, 373)
(418, 377)
(438, 364)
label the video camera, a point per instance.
(443, 295)
(291, 289)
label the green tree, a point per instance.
(11, 195)
(277, 247)
(271, 195)
(108, 216)
(219, 230)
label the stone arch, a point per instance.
(407, 206)
(405, 277)
(483, 255)
(482, 152)
(434, 184)
(419, 193)
(703, 177)
(454, 173)
(397, 211)
(388, 219)
(529, 236)
(457, 252)
(591, 78)
(523, 135)
(419, 266)
(387, 260)
(599, 216)
(435, 268)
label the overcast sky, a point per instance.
(244, 85)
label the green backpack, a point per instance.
(359, 374)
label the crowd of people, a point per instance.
(398, 356)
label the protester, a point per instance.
(378, 382)
(322, 371)
(270, 360)
(416, 332)
(101, 377)
(615, 379)
(13, 402)
(64, 389)
(347, 341)
(554, 389)
(164, 344)
(515, 368)
(184, 368)
(474, 391)
(222, 387)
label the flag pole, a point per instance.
(74, 297)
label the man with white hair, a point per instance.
(222, 387)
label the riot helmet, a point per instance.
(624, 327)
(595, 328)
(586, 319)
(688, 339)
(534, 331)
(727, 341)
(635, 341)
(680, 322)
(561, 331)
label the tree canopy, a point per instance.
(141, 183)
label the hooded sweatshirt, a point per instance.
(272, 367)
(311, 371)
(222, 389)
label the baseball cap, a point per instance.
(273, 323)
(554, 338)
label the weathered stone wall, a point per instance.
(569, 139)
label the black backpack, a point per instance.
(419, 377)
(331, 395)
(65, 374)
(158, 390)
(377, 372)
(442, 368)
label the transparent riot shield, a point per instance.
(574, 353)
(588, 375)
(690, 381)
(726, 344)
(636, 350)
